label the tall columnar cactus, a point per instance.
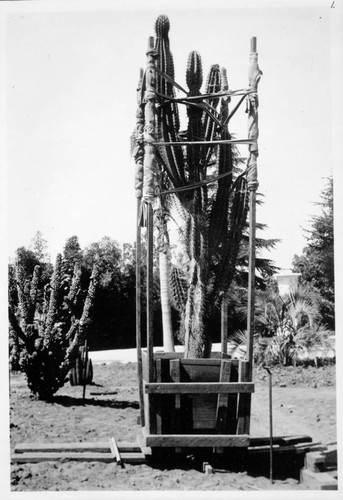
(212, 197)
(48, 334)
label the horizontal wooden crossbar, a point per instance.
(198, 387)
(195, 440)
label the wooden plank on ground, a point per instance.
(195, 440)
(35, 457)
(293, 448)
(318, 480)
(198, 387)
(100, 447)
(280, 440)
(115, 451)
(103, 393)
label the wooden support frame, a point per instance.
(231, 390)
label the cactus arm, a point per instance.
(78, 328)
(22, 299)
(168, 116)
(55, 284)
(224, 270)
(220, 206)
(33, 294)
(209, 121)
(75, 285)
(17, 329)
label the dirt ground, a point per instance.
(304, 402)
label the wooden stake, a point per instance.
(254, 77)
(139, 160)
(251, 283)
(138, 314)
(149, 188)
(150, 283)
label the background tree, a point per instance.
(39, 247)
(316, 264)
(72, 254)
(289, 327)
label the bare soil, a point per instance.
(304, 402)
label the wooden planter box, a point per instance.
(196, 402)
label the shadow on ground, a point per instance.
(285, 466)
(102, 403)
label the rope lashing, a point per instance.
(202, 183)
(201, 143)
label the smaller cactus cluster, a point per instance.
(82, 371)
(48, 324)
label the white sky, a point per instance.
(70, 94)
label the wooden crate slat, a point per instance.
(204, 411)
(197, 372)
(198, 387)
(174, 372)
(195, 440)
(222, 403)
(158, 406)
(244, 402)
(231, 417)
(200, 361)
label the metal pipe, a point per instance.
(270, 423)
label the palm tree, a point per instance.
(293, 322)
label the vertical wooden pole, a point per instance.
(150, 283)
(254, 77)
(138, 155)
(138, 314)
(149, 189)
(251, 284)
